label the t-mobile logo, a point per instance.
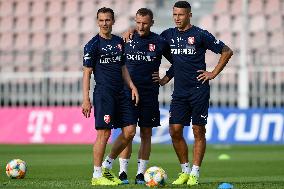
(39, 123)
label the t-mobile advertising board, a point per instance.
(61, 125)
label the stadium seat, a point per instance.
(71, 41)
(207, 22)
(54, 24)
(71, 23)
(272, 7)
(37, 8)
(38, 24)
(255, 7)
(53, 7)
(221, 7)
(21, 7)
(236, 7)
(87, 7)
(257, 23)
(226, 37)
(104, 3)
(277, 39)
(54, 41)
(6, 8)
(38, 41)
(236, 24)
(88, 24)
(6, 24)
(122, 23)
(22, 41)
(223, 23)
(259, 40)
(6, 41)
(70, 7)
(135, 5)
(22, 24)
(275, 22)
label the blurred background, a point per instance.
(41, 49)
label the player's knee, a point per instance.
(176, 134)
(199, 132)
(129, 134)
(146, 133)
(103, 135)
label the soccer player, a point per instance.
(190, 99)
(143, 58)
(103, 55)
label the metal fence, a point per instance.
(266, 88)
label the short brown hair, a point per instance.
(106, 10)
(145, 12)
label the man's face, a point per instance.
(105, 22)
(181, 17)
(143, 24)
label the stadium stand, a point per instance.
(47, 36)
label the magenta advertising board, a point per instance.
(50, 125)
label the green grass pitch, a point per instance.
(70, 166)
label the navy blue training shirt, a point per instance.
(143, 57)
(106, 57)
(188, 50)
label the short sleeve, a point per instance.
(211, 43)
(90, 50)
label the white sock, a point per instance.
(108, 163)
(142, 165)
(195, 170)
(123, 165)
(185, 168)
(97, 172)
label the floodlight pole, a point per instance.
(243, 82)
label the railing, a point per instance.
(65, 88)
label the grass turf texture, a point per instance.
(70, 166)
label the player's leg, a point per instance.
(124, 119)
(180, 116)
(98, 154)
(149, 117)
(143, 154)
(103, 114)
(199, 120)
(125, 137)
(124, 158)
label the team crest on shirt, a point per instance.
(152, 47)
(107, 119)
(191, 40)
(119, 46)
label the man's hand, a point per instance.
(86, 108)
(156, 78)
(135, 95)
(128, 35)
(205, 76)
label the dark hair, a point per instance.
(106, 10)
(145, 12)
(183, 4)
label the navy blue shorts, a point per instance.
(195, 107)
(147, 113)
(112, 110)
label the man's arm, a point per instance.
(86, 105)
(130, 84)
(169, 75)
(224, 59)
